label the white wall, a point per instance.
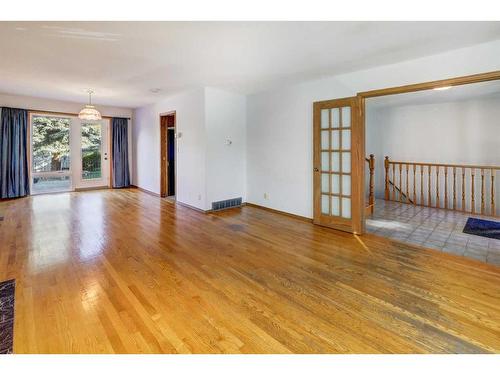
(461, 132)
(191, 146)
(279, 133)
(225, 115)
(208, 170)
(34, 103)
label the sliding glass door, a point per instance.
(50, 154)
(68, 154)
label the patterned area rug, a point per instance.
(7, 292)
(484, 228)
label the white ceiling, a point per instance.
(476, 91)
(122, 61)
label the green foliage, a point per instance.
(50, 137)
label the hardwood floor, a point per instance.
(123, 271)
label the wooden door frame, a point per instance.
(164, 154)
(430, 85)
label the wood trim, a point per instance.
(299, 217)
(145, 191)
(163, 157)
(35, 111)
(192, 207)
(456, 81)
(104, 187)
(164, 153)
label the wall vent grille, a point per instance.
(228, 203)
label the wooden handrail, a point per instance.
(432, 181)
(495, 167)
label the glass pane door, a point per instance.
(91, 151)
(336, 179)
(50, 154)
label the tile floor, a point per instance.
(432, 228)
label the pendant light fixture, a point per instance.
(89, 112)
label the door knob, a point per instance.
(316, 170)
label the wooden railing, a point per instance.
(466, 188)
(371, 194)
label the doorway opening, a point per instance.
(168, 155)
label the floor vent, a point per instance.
(228, 203)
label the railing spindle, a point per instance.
(422, 185)
(414, 188)
(473, 201)
(386, 165)
(446, 188)
(429, 198)
(437, 187)
(463, 189)
(454, 188)
(482, 191)
(407, 189)
(394, 182)
(400, 184)
(492, 203)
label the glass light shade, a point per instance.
(89, 113)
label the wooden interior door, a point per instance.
(339, 164)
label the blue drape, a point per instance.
(14, 180)
(119, 134)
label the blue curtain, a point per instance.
(119, 134)
(14, 180)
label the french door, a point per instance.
(338, 165)
(67, 153)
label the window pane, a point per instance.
(346, 139)
(91, 151)
(325, 188)
(346, 184)
(346, 208)
(324, 118)
(335, 184)
(335, 140)
(325, 166)
(50, 184)
(335, 206)
(325, 139)
(325, 209)
(335, 118)
(346, 162)
(346, 117)
(335, 161)
(50, 144)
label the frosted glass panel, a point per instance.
(335, 206)
(325, 209)
(325, 139)
(335, 139)
(346, 139)
(335, 118)
(346, 208)
(335, 184)
(324, 118)
(346, 162)
(324, 162)
(335, 161)
(325, 188)
(346, 117)
(346, 184)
